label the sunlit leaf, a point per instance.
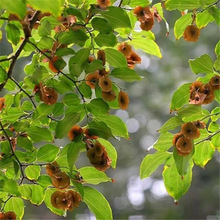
(203, 153)
(93, 176)
(15, 205)
(151, 162)
(97, 203)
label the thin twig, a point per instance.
(207, 116)
(6, 59)
(208, 138)
(65, 75)
(120, 3)
(23, 91)
(20, 48)
(12, 151)
(215, 3)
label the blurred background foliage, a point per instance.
(130, 197)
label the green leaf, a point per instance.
(69, 37)
(112, 153)
(217, 49)
(45, 43)
(14, 7)
(58, 109)
(27, 106)
(3, 75)
(100, 129)
(98, 106)
(108, 40)
(164, 142)
(102, 25)
(182, 162)
(15, 205)
(25, 190)
(202, 64)
(203, 19)
(182, 4)
(215, 12)
(93, 66)
(217, 95)
(37, 194)
(71, 99)
(10, 186)
(217, 63)
(134, 3)
(176, 185)
(147, 45)
(180, 97)
(126, 74)
(76, 62)
(93, 176)
(171, 124)
(53, 6)
(215, 114)
(38, 134)
(47, 153)
(32, 172)
(13, 33)
(203, 153)
(44, 181)
(25, 143)
(64, 126)
(181, 24)
(85, 90)
(151, 162)
(192, 113)
(13, 114)
(116, 125)
(47, 202)
(115, 58)
(44, 28)
(117, 17)
(73, 152)
(97, 203)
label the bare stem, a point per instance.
(208, 138)
(23, 91)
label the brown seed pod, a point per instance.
(102, 73)
(92, 79)
(8, 215)
(61, 180)
(75, 131)
(133, 59)
(190, 131)
(147, 24)
(215, 82)
(2, 103)
(123, 100)
(199, 124)
(184, 146)
(105, 83)
(48, 95)
(103, 4)
(125, 48)
(176, 137)
(53, 169)
(109, 96)
(52, 64)
(101, 56)
(191, 33)
(54, 198)
(75, 199)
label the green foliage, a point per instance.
(75, 47)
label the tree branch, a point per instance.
(21, 47)
(208, 138)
